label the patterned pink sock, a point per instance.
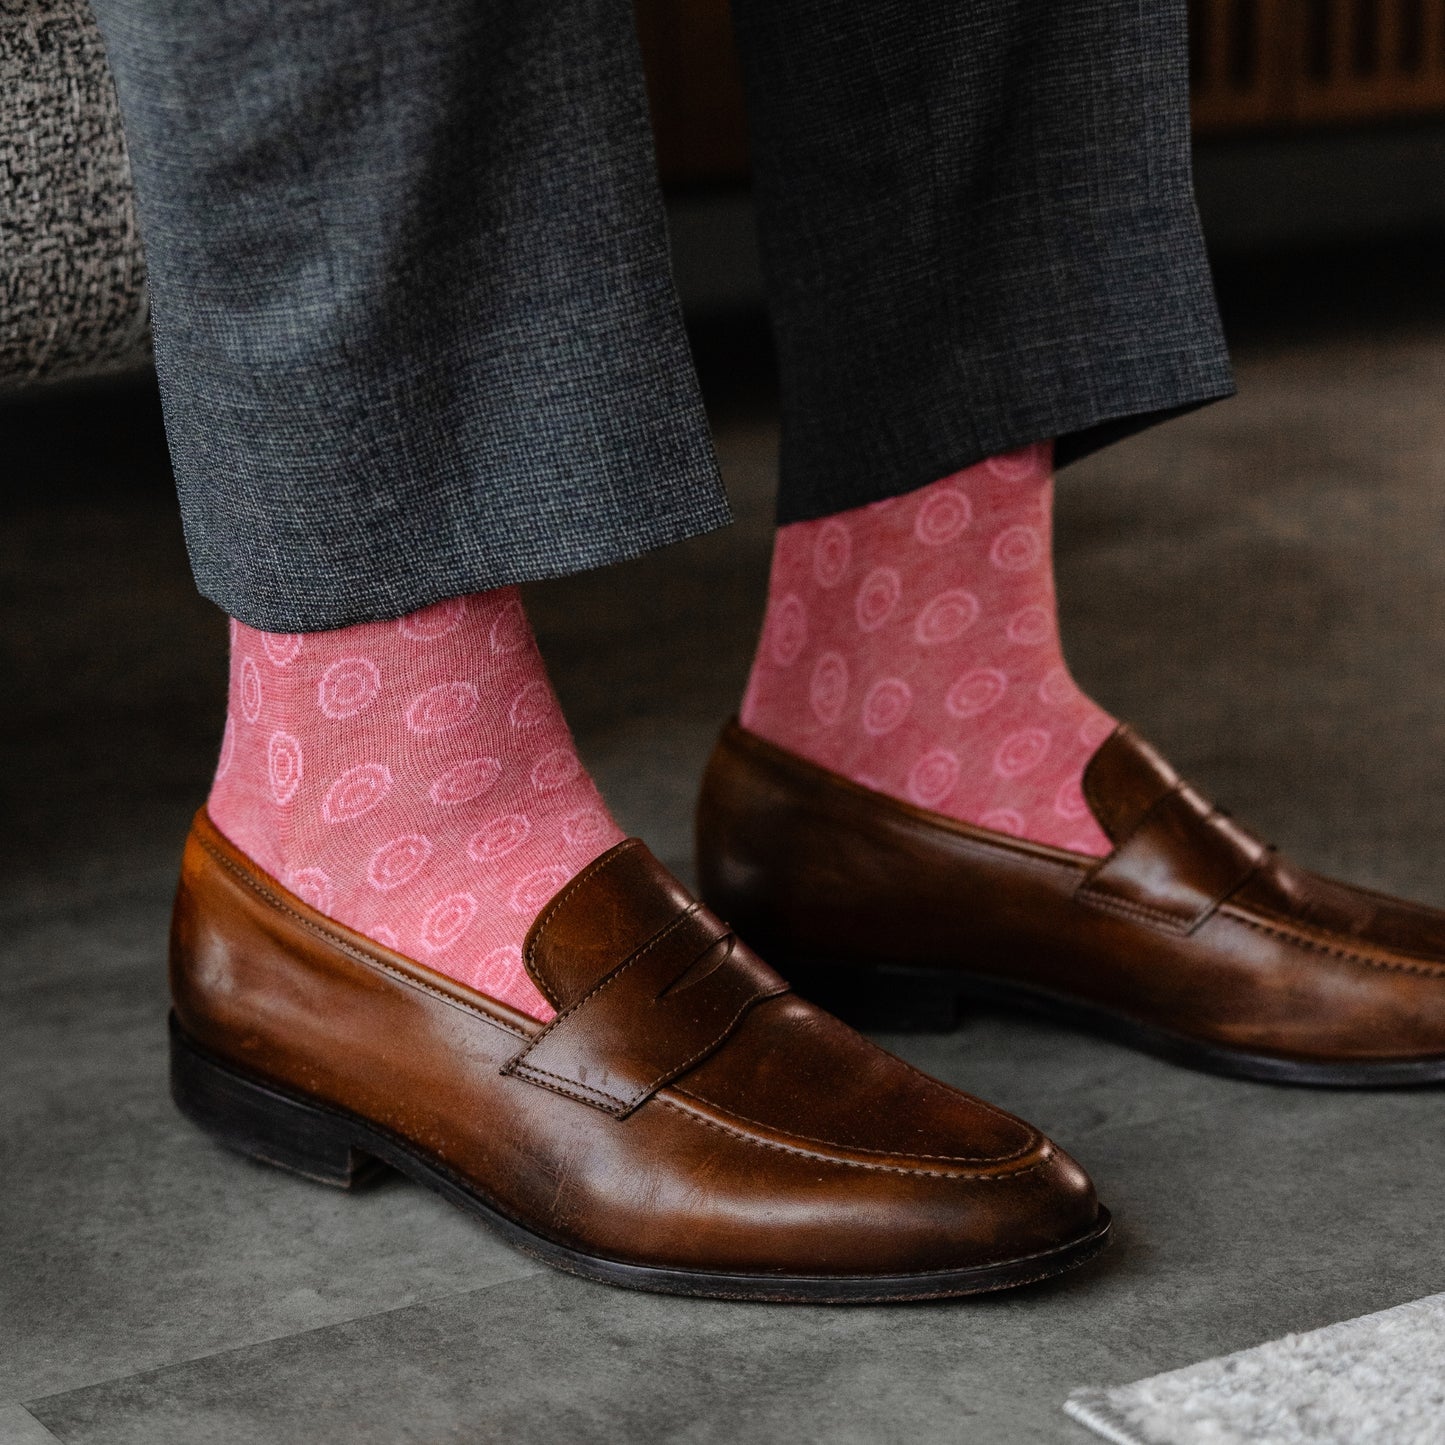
(913, 646)
(414, 780)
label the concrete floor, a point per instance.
(1260, 587)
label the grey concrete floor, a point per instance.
(1260, 587)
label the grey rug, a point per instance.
(1376, 1380)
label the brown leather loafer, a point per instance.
(1191, 940)
(685, 1124)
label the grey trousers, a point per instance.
(415, 327)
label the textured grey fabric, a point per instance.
(415, 328)
(978, 230)
(1377, 1380)
(72, 281)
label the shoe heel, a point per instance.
(886, 999)
(263, 1123)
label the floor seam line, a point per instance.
(274, 1339)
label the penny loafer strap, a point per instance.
(1180, 862)
(669, 1005)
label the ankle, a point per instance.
(415, 780)
(913, 646)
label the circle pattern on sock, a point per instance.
(435, 622)
(1030, 626)
(510, 632)
(588, 828)
(228, 748)
(464, 782)
(829, 688)
(445, 706)
(283, 648)
(284, 766)
(831, 553)
(356, 792)
(1069, 801)
(1020, 465)
(533, 893)
(531, 707)
(1004, 820)
(886, 706)
(446, 921)
(497, 969)
(501, 836)
(975, 692)
(1021, 752)
(398, 861)
(313, 886)
(1017, 549)
(348, 687)
(943, 516)
(250, 689)
(555, 770)
(933, 777)
(947, 617)
(1057, 687)
(877, 598)
(788, 631)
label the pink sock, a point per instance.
(913, 646)
(414, 780)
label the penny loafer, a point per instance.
(1191, 940)
(684, 1123)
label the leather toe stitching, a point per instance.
(1422, 967)
(833, 1157)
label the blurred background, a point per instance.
(1259, 586)
(1317, 121)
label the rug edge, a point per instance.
(1092, 1408)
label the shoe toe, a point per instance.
(889, 1171)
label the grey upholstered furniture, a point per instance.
(72, 279)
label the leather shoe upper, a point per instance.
(1190, 926)
(683, 1109)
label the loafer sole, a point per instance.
(279, 1126)
(888, 998)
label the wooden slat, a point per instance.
(1388, 33)
(1433, 42)
(1219, 104)
(1339, 42)
(1221, 24)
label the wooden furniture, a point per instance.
(1297, 64)
(1257, 66)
